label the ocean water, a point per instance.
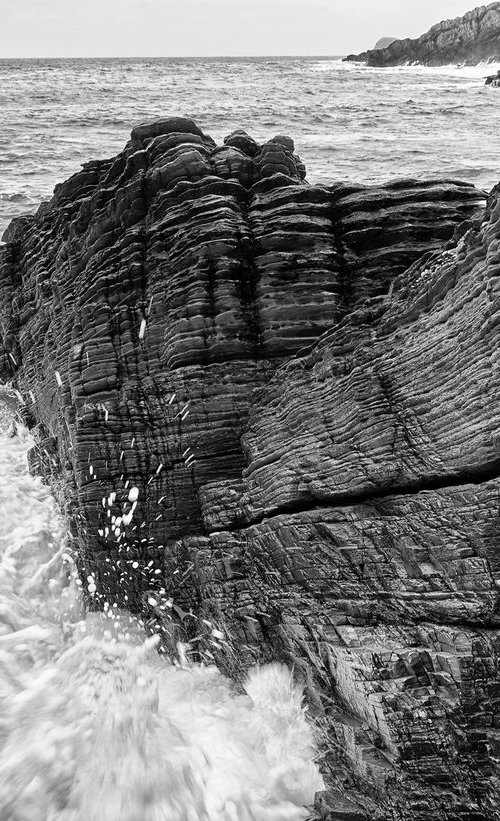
(349, 122)
(95, 725)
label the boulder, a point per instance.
(270, 407)
(493, 80)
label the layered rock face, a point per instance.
(470, 39)
(300, 383)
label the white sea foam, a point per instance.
(477, 71)
(96, 726)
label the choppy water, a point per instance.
(96, 726)
(349, 122)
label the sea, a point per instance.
(349, 122)
(95, 724)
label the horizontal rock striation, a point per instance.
(270, 406)
(471, 39)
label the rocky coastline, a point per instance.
(471, 39)
(271, 405)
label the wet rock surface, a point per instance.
(300, 383)
(493, 80)
(471, 39)
(384, 42)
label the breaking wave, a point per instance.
(96, 725)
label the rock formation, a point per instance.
(471, 39)
(493, 80)
(384, 42)
(271, 407)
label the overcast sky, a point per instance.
(164, 28)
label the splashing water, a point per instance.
(95, 725)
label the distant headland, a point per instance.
(471, 39)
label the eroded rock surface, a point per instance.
(306, 405)
(471, 39)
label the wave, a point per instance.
(480, 70)
(91, 121)
(96, 724)
(16, 197)
(335, 64)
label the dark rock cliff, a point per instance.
(301, 384)
(493, 80)
(470, 39)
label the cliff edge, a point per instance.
(471, 39)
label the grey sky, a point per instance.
(109, 28)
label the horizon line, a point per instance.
(178, 57)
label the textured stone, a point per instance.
(470, 39)
(493, 80)
(300, 382)
(334, 806)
